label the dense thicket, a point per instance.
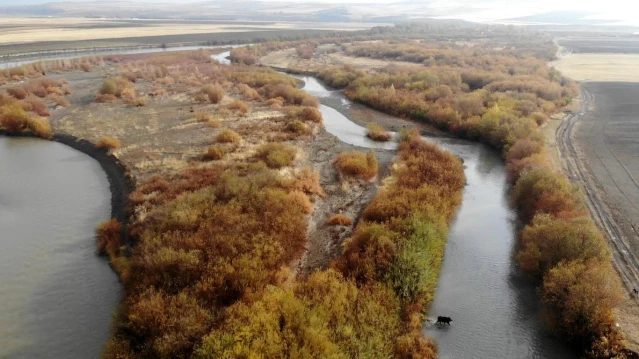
(371, 303)
(502, 97)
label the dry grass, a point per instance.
(600, 67)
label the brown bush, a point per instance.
(107, 98)
(36, 105)
(276, 155)
(108, 142)
(202, 116)
(214, 92)
(60, 101)
(40, 127)
(339, 220)
(108, 237)
(579, 297)
(86, 67)
(228, 136)
(305, 51)
(239, 106)
(357, 164)
(214, 123)
(214, 153)
(13, 118)
(200, 97)
(298, 127)
(377, 133)
(18, 92)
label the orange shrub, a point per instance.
(276, 155)
(108, 143)
(339, 220)
(377, 133)
(214, 92)
(239, 106)
(228, 136)
(214, 153)
(108, 237)
(357, 164)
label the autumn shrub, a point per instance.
(547, 241)
(108, 237)
(377, 133)
(291, 95)
(305, 51)
(540, 191)
(579, 297)
(202, 116)
(18, 92)
(214, 123)
(248, 92)
(60, 101)
(357, 164)
(228, 136)
(339, 220)
(40, 127)
(214, 153)
(108, 142)
(105, 98)
(323, 316)
(298, 127)
(240, 106)
(36, 105)
(108, 88)
(13, 118)
(275, 154)
(86, 67)
(214, 92)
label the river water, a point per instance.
(56, 296)
(495, 311)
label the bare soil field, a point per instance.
(600, 153)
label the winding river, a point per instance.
(56, 296)
(495, 311)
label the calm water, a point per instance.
(495, 312)
(56, 295)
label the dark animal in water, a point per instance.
(443, 320)
(635, 290)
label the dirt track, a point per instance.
(599, 147)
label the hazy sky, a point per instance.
(618, 10)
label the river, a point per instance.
(56, 296)
(495, 312)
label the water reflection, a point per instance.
(56, 295)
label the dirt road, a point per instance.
(599, 149)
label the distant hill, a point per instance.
(559, 17)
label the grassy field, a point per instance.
(600, 67)
(30, 30)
